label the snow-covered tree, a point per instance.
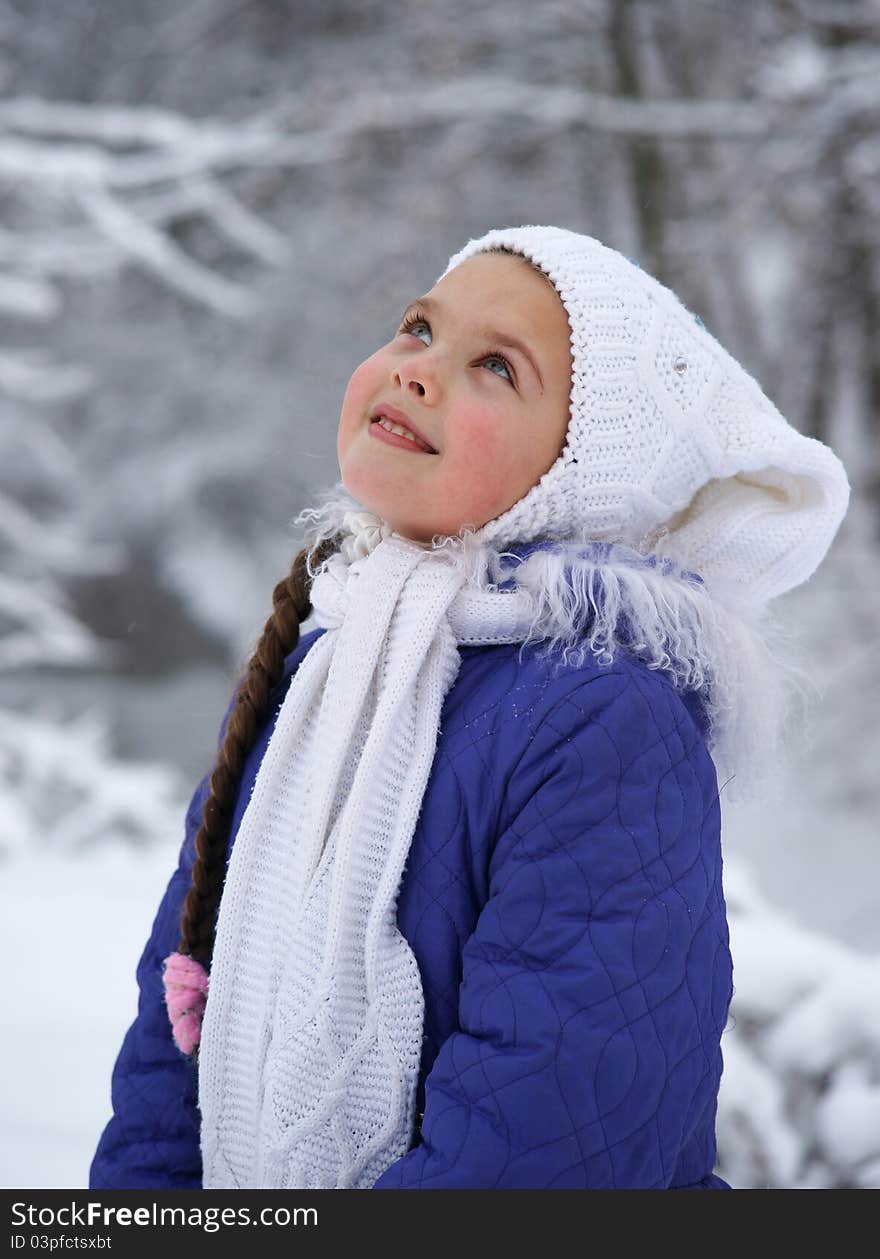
(81, 202)
(799, 1105)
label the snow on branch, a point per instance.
(32, 376)
(161, 256)
(104, 158)
(236, 221)
(64, 792)
(109, 125)
(799, 1105)
(28, 297)
(49, 634)
(476, 98)
(471, 96)
(70, 151)
(57, 550)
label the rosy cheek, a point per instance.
(367, 370)
(360, 391)
(363, 378)
(481, 436)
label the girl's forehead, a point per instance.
(508, 284)
(509, 294)
(491, 271)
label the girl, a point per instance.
(449, 908)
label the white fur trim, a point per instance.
(751, 671)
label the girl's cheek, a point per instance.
(360, 392)
(363, 380)
(483, 437)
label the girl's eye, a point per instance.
(499, 358)
(415, 320)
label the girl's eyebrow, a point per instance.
(499, 338)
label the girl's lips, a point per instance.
(394, 439)
(387, 411)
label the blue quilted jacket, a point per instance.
(563, 898)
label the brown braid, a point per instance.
(291, 606)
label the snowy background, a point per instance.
(210, 212)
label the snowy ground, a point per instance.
(72, 931)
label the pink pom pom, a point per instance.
(186, 994)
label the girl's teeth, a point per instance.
(395, 428)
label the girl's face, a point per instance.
(481, 367)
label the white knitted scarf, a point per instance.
(312, 1035)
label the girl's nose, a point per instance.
(418, 377)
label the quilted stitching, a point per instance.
(563, 898)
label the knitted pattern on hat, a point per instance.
(671, 445)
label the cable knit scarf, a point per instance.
(312, 1035)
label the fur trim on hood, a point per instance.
(603, 597)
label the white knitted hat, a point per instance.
(671, 445)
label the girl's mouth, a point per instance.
(395, 436)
